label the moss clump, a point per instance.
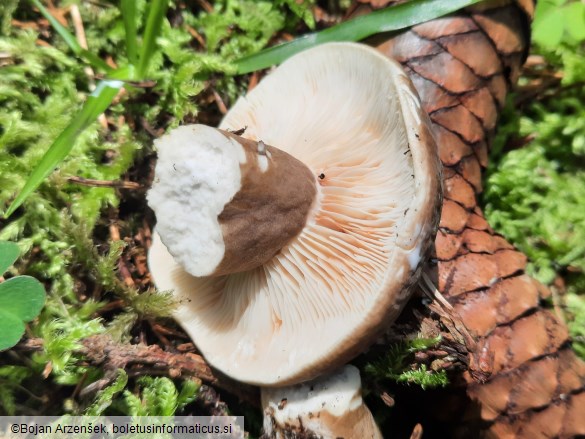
(62, 227)
(395, 365)
(535, 195)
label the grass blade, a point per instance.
(385, 20)
(156, 15)
(129, 17)
(95, 105)
(86, 55)
(65, 34)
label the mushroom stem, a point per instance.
(327, 407)
(245, 199)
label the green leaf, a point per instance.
(9, 252)
(95, 105)
(156, 15)
(23, 297)
(11, 330)
(71, 41)
(574, 14)
(544, 6)
(548, 28)
(129, 15)
(385, 20)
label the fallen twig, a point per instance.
(102, 351)
(141, 359)
(117, 184)
(219, 102)
(82, 40)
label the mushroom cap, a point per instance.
(351, 114)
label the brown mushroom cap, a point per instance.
(351, 116)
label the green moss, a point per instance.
(576, 313)
(153, 396)
(535, 196)
(533, 199)
(396, 365)
(42, 86)
(302, 9)
(105, 397)
(158, 397)
(11, 378)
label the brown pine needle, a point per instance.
(117, 184)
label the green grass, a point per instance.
(392, 19)
(105, 91)
(139, 57)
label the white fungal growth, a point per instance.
(197, 174)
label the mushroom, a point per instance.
(330, 407)
(293, 246)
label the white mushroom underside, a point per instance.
(265, 325)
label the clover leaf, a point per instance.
(21, 299)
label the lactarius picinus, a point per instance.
(294, 245)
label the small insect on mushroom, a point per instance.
(240, 131)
